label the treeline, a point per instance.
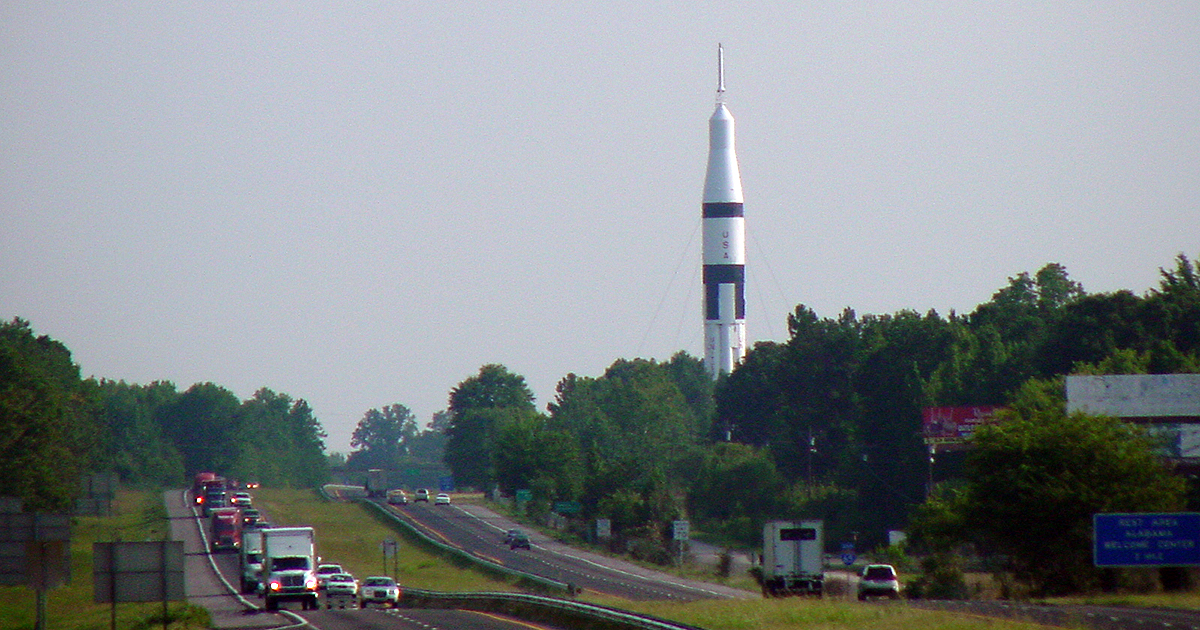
(56, 427)
(826, 424)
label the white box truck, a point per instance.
(251, 556)
(793, 558)
(289, 567)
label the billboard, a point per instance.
(949, 428)
(1136, 396)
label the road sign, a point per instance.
(848, 555)
(1147, 540)
(680, 530)
(137, 571)
(568, 508)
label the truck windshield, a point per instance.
(297, 563)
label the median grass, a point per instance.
(349, 535)
(137, 516)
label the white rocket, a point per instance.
(724, 232)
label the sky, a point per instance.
(361, 203)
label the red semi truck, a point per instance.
(226, 529)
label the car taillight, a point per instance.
(311, 583)
(275, 585)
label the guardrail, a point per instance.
(528, 579)
(562, 612)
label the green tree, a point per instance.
(429, 445)
(134, 445)
(529, 454)
(735, 490)
(203, 423)
(1035, 479)
(476, 405)
(636, 434)
(382, 437)
(48, 429)
(279, 442)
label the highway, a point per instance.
(211, 583)
(480, 532)
(212, 580)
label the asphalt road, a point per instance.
(480, 532)
(211, 581)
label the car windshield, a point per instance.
(297, 563)
(379, 582)
(879, 573)
(324, 569)
(341, 577)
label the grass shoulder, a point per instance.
(137, 515)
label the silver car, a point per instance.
(341, 589)
(878, 580)
(380, 590)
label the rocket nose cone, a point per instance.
(722, 113)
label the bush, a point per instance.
(941, 578)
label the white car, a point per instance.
(380, 590)
(326, 570)
(241, 499)
(340, 588)
(878, 579)
(442, 499)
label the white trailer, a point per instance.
(793, 558)
(289, 567)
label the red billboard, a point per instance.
(947, 428)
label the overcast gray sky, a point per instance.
(361, 203)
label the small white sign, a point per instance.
(603, 528)
(680, 530)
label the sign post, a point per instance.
(389, 546)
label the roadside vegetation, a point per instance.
(137, 515)
(810, 614)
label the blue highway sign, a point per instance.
(1147, 540)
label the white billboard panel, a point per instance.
(1136, 395)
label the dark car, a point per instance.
(250, 518)
(519, 541)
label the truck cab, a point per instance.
(289, 567)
